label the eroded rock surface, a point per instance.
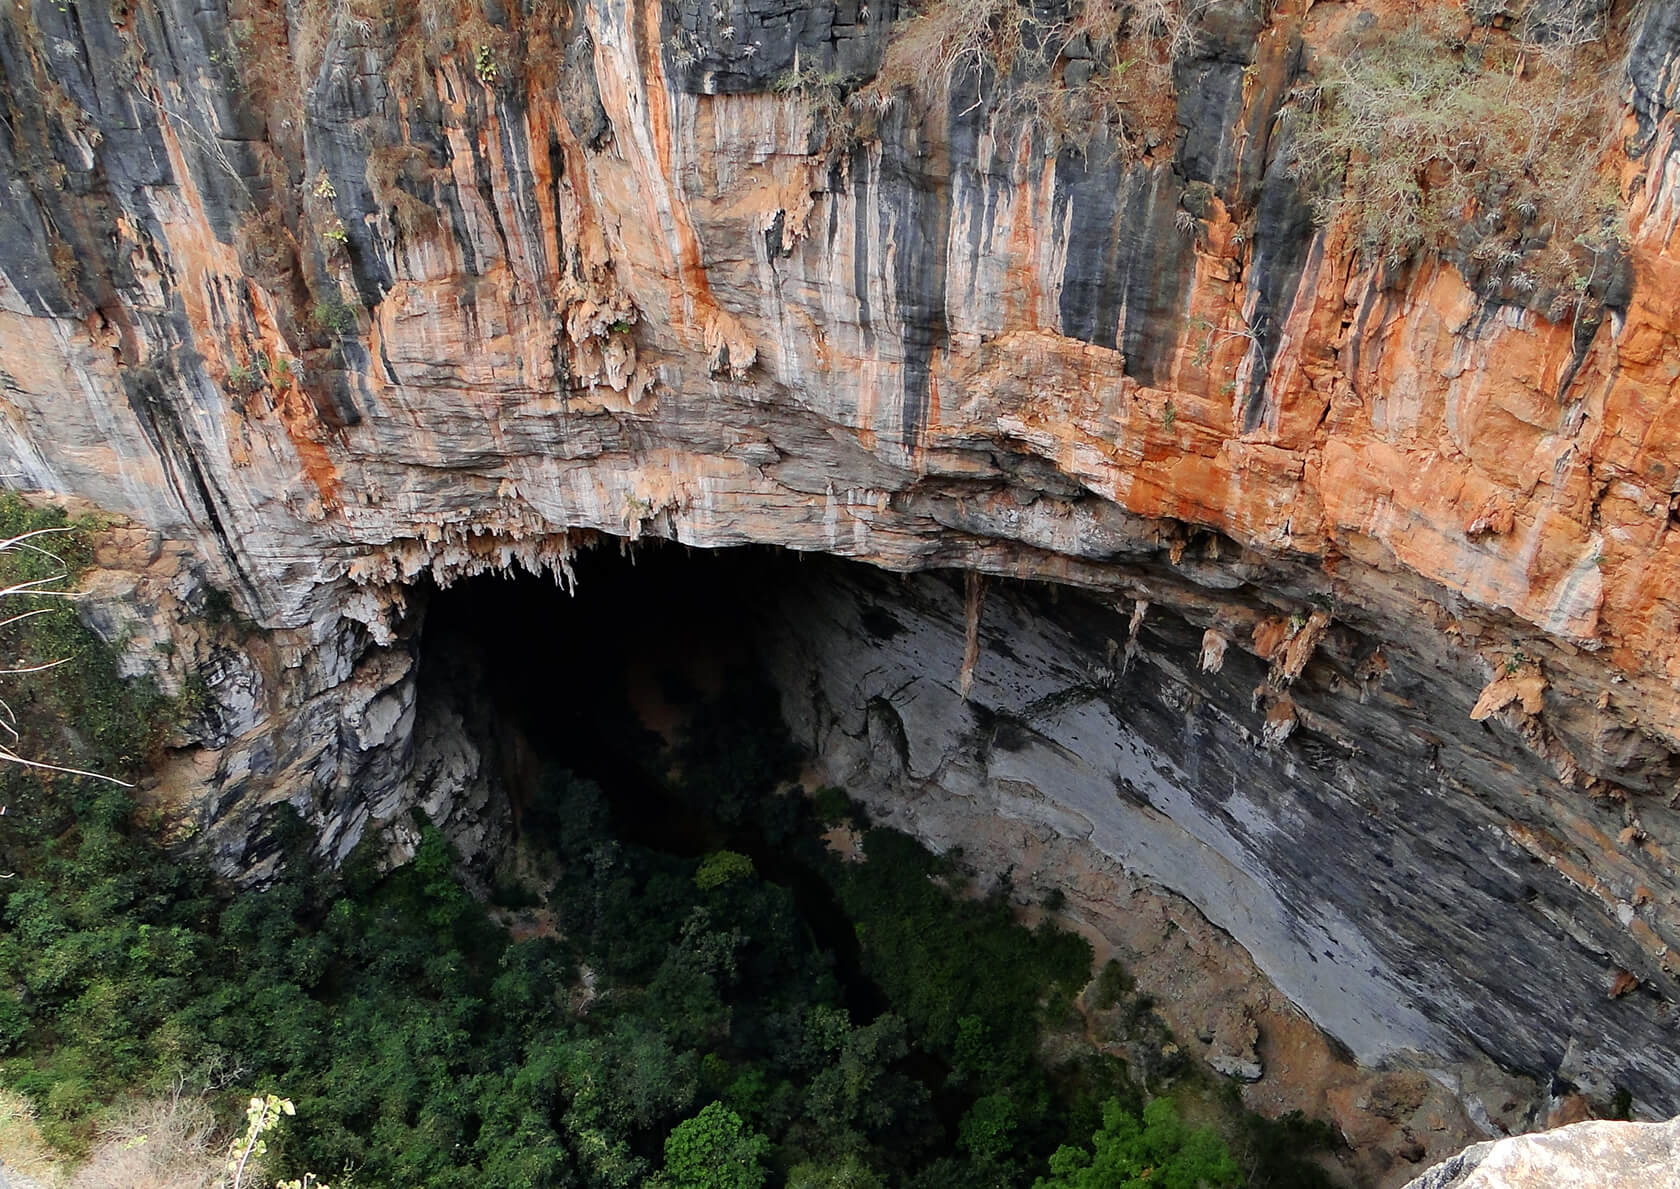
(330, 301)
(1373, 862)
(1602, 1155)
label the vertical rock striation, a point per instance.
(336, 297)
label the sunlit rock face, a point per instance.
(1604, 1155)
(328, 315)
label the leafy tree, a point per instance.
(715, 1150)
(987, 1130)
(853, 1086)
(849, 1172)
(1158, 1151)
(720, 867)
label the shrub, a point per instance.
(1107, 64)
(333, 315)
(1111, 986)
(166, 1143)
(1418, 134)
(721, 867)
(833, 807)
(243, 378)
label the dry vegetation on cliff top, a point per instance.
(1437, 132)
(1104, 70)
(1474, 127)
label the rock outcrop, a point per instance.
(1603, 1155)
(340, 297)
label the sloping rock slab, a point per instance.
(1597, 1154)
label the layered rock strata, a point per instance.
(339, 297)
(1359, 834)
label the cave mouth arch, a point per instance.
(593, 676)
(1096, 755)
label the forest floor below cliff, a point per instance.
(680, 980)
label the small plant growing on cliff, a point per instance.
(333, 315)
(833, 122)
(243, 379)
(1413, 131)
(484, 65)
(1169, 415)
(685, 51)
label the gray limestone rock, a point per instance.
(1596, 1155)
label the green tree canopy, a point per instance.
(1158, 1151)
(715, 1150)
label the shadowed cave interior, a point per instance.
(656, 645)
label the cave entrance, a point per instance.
(656, 656)
(1106, 747)
(753, 663)
(601, 678)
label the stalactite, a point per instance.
(974, 589)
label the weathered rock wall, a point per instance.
(1377, 856)
(338, 296)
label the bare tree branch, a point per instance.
(36, 588)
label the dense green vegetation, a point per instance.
(756, 1011)
(1155, 1152)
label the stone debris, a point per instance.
(1525, 686)
(1233, 1045)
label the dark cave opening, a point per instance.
(606, 680)
(653, 664)
(658, 644)
(589, 676)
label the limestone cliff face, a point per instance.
(339, 297)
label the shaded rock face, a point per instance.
(1603, 1155)
(331, 300)
(1377, 860)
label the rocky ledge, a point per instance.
(1600, 1155)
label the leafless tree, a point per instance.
(51, 586)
